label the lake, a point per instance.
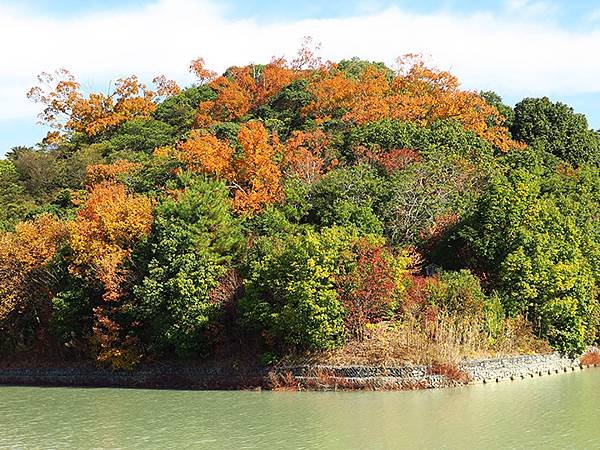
(550, 412)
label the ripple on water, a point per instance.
(553, 412)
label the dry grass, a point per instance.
(282, 381)
(450, 371)
(324, 379)
(318, 379)
(446, 340)
(591, 358)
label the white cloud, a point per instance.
(510, 52)
(594, 15)
(531, 8)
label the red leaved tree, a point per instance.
(368, 292)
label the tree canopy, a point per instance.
(295, 206)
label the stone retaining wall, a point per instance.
(152, 377)
(499, 369)
(307, 377)
(423, 377)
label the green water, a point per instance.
(551, 412)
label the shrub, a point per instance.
(450, 371)
(368, 292)
(564, 325)
(291, 295)
(458, 293)
(494, 317)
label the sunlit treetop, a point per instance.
(354, 92)
(68, 109)
(253, 174)
(415, 93)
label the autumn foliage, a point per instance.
(415, 93)
(307, 155)
(68, 109)
(253, 175)
(299, 205)
(110, 223)
(205, 153)
(368, 291)
(396, 159)
(27, 280)
(591, 358)
(98, 173)
(241, 89)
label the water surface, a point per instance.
(551, 412)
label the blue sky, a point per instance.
(518, 48)
(574, 13)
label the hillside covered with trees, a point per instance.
(298, 207)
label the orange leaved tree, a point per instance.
(97, 173)
(28, 278)
(415, 93)
(253, 175)
(241, 89)
(205, 153)
(68, 109)
(307, 155)
(103, 236)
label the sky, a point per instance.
(517, 48)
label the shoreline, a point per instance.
(313, 377)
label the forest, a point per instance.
(300, 207)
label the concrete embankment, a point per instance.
(301, 377)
